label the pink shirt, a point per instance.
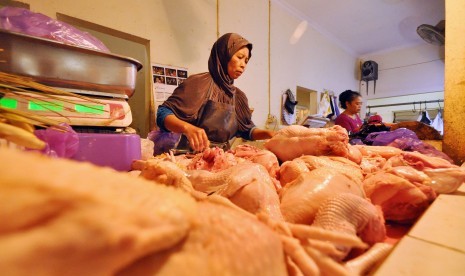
(349, 123)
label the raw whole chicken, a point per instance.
(350, 213)
(372, 164)
(400, 200)
(301, 198)
(248, 185)
(220, 238)
(383, 151)
(294, 141)
(69, 218)
(435, 172)
(339, 164)
(290, 170)
(213, 159)
(260, 156)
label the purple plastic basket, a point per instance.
(111, 150)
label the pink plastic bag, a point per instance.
(36, 24)
(59, 143)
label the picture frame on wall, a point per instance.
(165, 80)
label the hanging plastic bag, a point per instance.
(36, 24)
(63, 142)
(438, 123)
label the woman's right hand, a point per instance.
(197, 137)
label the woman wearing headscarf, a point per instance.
(207, 106)
(351, 101)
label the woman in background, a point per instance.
(351, 101)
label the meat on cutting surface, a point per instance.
(290, 170)
(383, 151)
(69, 218)
(301, 198)
(340, 164)
(421, 161)
(294, 141)
(213, 159)
(372, 164)
(221, 238)
(352, 214)
(400, 200)
(260, 156)
(248, 185)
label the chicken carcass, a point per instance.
(421, 161)
(294, 141)
(213, 159)
(435, 172)
(400, 200)
(64, 214)
(372, 164)
(446, 180)
(260, 156)
(383, 151)
(290, 170)
(221, 238)
(352, 214)
(301, 198)
(339, 164)
(248, 185)
(114, 223)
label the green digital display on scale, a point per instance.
(92, 109)
(45, 106)
(95, 109)
(9, 103)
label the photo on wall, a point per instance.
(165, 80)
(171, 81)
(157, 70)
(170, 72)
(158, 79)
(182, 74)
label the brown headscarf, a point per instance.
(222, 51)
(188, 98)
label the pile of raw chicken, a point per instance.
(308, 203)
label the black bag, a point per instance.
(290, 102)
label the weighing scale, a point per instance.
(96, 112)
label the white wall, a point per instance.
(417, 71)
(413, 70)
(387, 113)
(181, 33)
(314, 62)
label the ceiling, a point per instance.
(364, 27)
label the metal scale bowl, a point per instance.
(107, 78)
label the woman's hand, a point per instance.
(197, 137)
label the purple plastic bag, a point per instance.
(410, 144)
(59, 143)
(163, 141)
(384, 138)
(36, 24)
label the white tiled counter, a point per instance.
(436, 243)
